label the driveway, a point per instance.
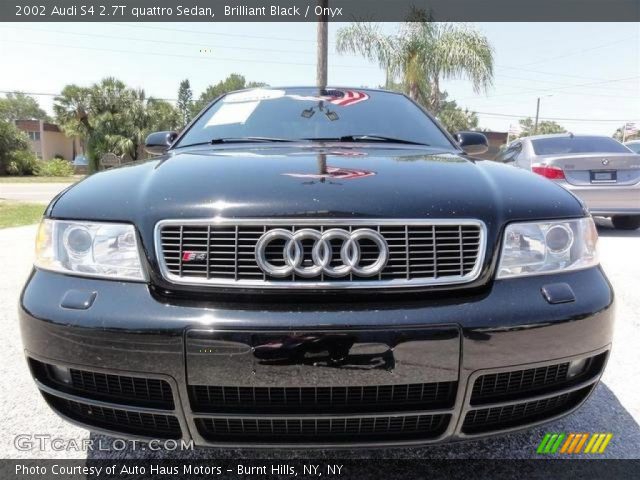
(31, 192)
(614, 407)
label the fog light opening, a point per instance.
(60, 374)
(576, 367)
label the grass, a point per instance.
(34, 179)
(14, 214)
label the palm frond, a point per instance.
(366, 39)
(461, 51)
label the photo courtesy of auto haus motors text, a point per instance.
(159, 471)
(319, 238)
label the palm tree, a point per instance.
(422, 54)
(107, 117)
(71, 109)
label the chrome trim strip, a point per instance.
(525, 426)
(534, 398)
(101, 403)
(115, 433)
(369, 284)
(324, 416)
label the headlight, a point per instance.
(90, 249)
(536, 248)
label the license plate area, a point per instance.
(603, 176)
(315, 358)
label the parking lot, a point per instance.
(614, 407)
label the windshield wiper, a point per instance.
(217, 141)
(367, 138)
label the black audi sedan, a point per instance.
(312, 267)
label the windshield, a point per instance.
(304, 114)
(559, 145)
(634, 146)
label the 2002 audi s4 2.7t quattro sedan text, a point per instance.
(315, 267)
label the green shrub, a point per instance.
(21, 162)
(11, 140)
(54, 168)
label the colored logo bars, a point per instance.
(574, 443)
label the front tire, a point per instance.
(626, 222)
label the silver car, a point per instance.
(599, 170)
(634, 145)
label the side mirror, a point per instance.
(158, 143)
(473, 143)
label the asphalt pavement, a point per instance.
(31, 192)
(614, 407)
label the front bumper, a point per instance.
(399, 372)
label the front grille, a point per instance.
(317, 430)
(510, 416)
(420, 396)
(224, 254)
(532, 381)
(137, 391)
(135, 423)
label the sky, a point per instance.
(587, 75)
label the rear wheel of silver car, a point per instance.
(626, 222)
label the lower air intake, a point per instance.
(520, 414)
(125, 421)
(322, 429)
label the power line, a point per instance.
(167, 42)
(43, 94)
(492, 114)
(554, 74)
(537, 80)
(199, 32)
(558, 88)
(628, 95)
(231, 59)
(582, 50)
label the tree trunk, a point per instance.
(413, 91)
(388, 79)
(92, 159)
(435, 96)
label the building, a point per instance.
(47, 140)
(496, 139)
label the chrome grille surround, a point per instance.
(412, 242)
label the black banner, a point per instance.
(315, 468)
(311, 10)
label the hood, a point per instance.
(314, 181)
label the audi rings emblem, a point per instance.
(322, 254)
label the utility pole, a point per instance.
(323, 49)
(535, 127)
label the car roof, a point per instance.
(312, 88)
(561, 135)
